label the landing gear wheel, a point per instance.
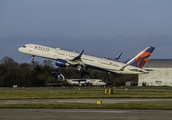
(79, 67)
(32, 59)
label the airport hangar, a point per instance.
(161, 74)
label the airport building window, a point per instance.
(158, 82)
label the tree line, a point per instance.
(39, 74)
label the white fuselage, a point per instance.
(90, 61)
(86, 81)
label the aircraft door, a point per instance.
(31, 49)
(55, 54)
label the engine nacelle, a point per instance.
(61, 63)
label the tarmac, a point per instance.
(83, 114)
(104, 101)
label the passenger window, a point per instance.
(24, 46)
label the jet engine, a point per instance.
(61, 63)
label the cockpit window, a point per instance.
(24, 46)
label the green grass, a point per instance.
(141, 106)
(78, 93)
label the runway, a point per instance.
(104, 101)
(84, 114)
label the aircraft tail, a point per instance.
(59, 75)
(141, 58)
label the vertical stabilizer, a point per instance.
(59, 75)
(141, 58)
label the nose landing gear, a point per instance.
(32, 59)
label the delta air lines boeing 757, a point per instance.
(65, 58)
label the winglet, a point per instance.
(141, 58)
(117, 57)
(79, 56)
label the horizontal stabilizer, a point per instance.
(148, 70)
(140, 70)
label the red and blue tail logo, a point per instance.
(141, 58)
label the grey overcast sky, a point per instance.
(101, 27)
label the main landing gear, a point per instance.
(32, 59)
(82, 70)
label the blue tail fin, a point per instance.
(59, 75)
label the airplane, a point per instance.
(83, 62)
(80, 82)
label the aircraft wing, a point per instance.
(77, 60)
(117, 57)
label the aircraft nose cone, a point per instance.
(20, 49)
